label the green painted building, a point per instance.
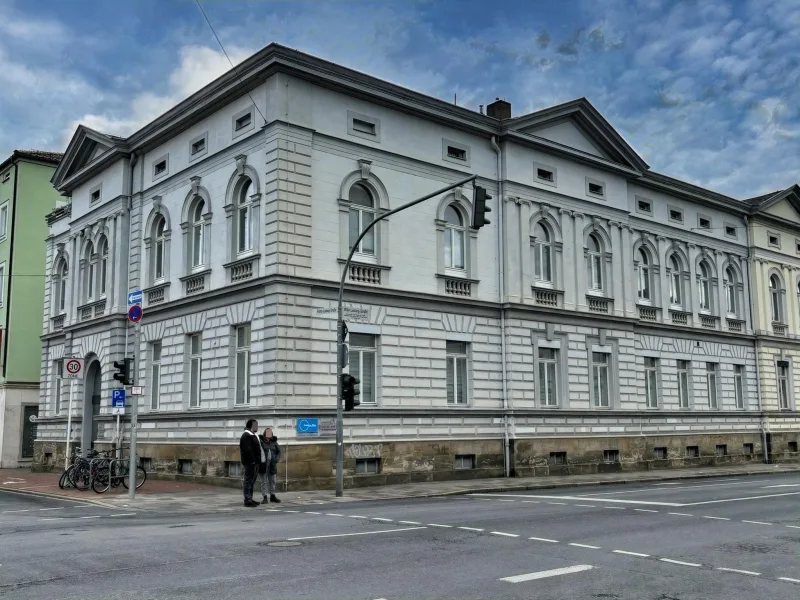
(26, 198)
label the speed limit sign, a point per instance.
(73, 368)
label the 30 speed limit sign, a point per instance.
(73, 367)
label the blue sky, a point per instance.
(705, 91)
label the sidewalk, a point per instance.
(173, 496)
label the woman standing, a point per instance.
(269, 469)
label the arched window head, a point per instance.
(775, 298)
(644, 275)
(705, 287)
(675, 283)
(244, 220)
(60, 285)
(103, 253)
(159, 250)
(362, 213)
(730, 291)
(595, 264)
(454, 239)
(198, 240)
(542, 255)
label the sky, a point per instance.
(704, 91)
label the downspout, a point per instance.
(10, 266)
(501, 290)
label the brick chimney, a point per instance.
(499, 109)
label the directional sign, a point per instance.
(135, 297)
(118, 402)
(73, 368)
(307, 426)
(135, 313)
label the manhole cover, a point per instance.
(279, 544)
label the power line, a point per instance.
(205, 16)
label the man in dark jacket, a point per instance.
(269, 469)
(250, 450)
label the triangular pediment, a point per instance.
(579, 126)
(784, 204)
(784, 210)
(86, 146)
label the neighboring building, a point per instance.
(600, 322)
(26, 196)
(775, 265)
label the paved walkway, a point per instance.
(196, 498)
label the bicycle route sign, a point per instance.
(118, 402)
(73, 368)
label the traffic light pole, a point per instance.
(340, 321)
(134, 415)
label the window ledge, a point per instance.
(374, 265)
(459, 277)
(157, 293)
(195, 274)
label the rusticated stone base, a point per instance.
(311, 466)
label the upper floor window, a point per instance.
(362, 214)
(198, 234)
(644, 275)
(730, 290)
(454, 239)
(160, 247)
(103, 283)
(3, 221)
(704, 280)
(91, 270)
(542, 254)
(675, 284)
(711, 384)
(456, 372)
(244, 221)
(155, 375)
(60, 286)
(362, 364)
(243, 364)
(783, 383)
(595, 263)
(775, 299)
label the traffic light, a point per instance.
(124, 372)
(345, 353)
(349, 391)
(479, 208)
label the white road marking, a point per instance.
(16, 511)
(123, 515)
(560, 503)
(789, 579)
(53, 519)
(91, 517)
(783, 485)
(585, 505)
(291, 511)
(639, 554)
(273, 510)
(548, 540)
(531, 502)
(680, 514)
(584, 546)
(57, 508)
(311, 512)
(579, 498)
(410, 522)
(756, 522)
(334, 515)
(718, 518)
(506, 500)
(545, 574)
(357, 517)
(645, 510)
(615, 507)
(739, 571)
(335, 535)
(683, 487)
(504, 534)
(470, 529)
(438, 525)
(680, 562)
(739, 499)
(793, 526)
(382, 519)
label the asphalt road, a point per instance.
(728, 539)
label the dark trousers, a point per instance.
(249, 481)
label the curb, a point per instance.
(56, 497)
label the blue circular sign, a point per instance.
(135, 313)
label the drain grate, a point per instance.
(279, 544)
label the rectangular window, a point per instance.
(362, 365)
(683, 383)
(660, 453)
(797, 244)
(651, 381)
(600, 384)
(704, 222)
(692, 451)
(199, 146)
(155, 375)
(2, 283)
(545, 175)
(792, 446)
(58, 372)
(243, 121)
(711, 384)
(456, 372)
(184, 466)
(368, 466)
(676, 215)
(195, 366)
(365, 127)
(6, 176)
(457, 153)
(611, 456)
(3, 221)
(644, 206)
(233, 468)
(730, 231)
(722, 450)
(465, 461)
(596, 189)
(548, 376)
(774, 239)
(243, 364)
(748, 448)
(738, 385)
(95, 195)
(783, 384)
(146, 463)
(558, 458)
(160, 167)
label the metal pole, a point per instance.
(69, 423)
(340, 320)
(134, 414)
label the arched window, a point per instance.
(198, 240)
(362, 213)
(775, 298)
(705, 287)
(159, 250)
(730, 290)
(542, 254)
(244, 220)
(89, 273)
(644, 275)
(595, 263)
(454, 236)
(675, 287)
(103, 267)
(60, 286)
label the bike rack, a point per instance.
(111, 470)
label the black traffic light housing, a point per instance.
(479, 208)
(349, 391)
(124, 370)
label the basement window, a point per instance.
(660, 453)
(146, 463)
(692, 451)
(747, 448)
(792, 446)
(465, 461)
(368, 466)
(233, 468)
(703, 222)
(558, 458)
(611, 456)
(184, 466)
(722, 450)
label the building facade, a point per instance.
(600, 322)
(26, 196)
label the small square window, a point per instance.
(747, 448)
(704, 222)
(456, 153)
(199, 146)
(797, 244)
(160, 167)
(596, 189)
(368, 466)
(95, 195)
(558, 458)
(792, 446)
(6, 176)
(367, 127)
(692, 451)
(233, 468)
(644, 206)
(774, 239)
(184, 466)
(243, 121)
(146, 463)
(675, 214)
(722, 450)
(545, 175)
(730, 231)
(611, 456)
(660, 453)
(465, 461)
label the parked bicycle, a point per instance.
(117, 472)
(82, 470)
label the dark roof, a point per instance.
(755, 201)
(41, 155)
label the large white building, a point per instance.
(601, 321)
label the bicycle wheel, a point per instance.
(102, 480)
(64, 481)
(80, 477)
(141, 477)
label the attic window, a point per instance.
(704, 222)
(199, 146)
(160, 167)
(596, 188)
(797, 243)
(6, 176)
(644, 206)
(243, 121)
(95, 195)
(774, 240)
(730, 231)
(369, 128)
(544, 174)
(676, 215)
(456, 153)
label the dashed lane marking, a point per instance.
(615, 508)
(645, 510)
(626, 553)
(756, 522)
(793, 526)
(718, 518)
(470, 528)
(382, 519)
(123, 515)
(53, 519)
(753, 573)
(502, 533)
(410, 522)
(584, 498)
(336, 535)
(559, 503)
(311, 512)
(588, 506)
(680, 562)
(357, 516)
(545, 574)
(584, 546)
(438, 525)
(548, 540)
(789, 579)
(17, 511)
(334, 515)
(57, 508)
(680, 514)
(90, 517)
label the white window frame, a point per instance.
(771, 234)
(195, 358)
(160, 248)
(644, 278)
(643, 211)
(2, 284)
(447, 144)
(651, 381)
(783, 377)
(702, 217)
(360, 210)
(61, 286)
(244, 208)
(242, 380)
(738, 385)
(590, 181)
(544, 366)
(158, 161)
(705, 301)
(597, 368)
(731, 300)
(90, 274)
(455, 235)
(235, 133)
(684, 373)
(4, 220)
(156, 349)
(542, 180)
(197, 228)
(670, 210)
(775, 300)
(58, 370)
(376, 124)
(356, 353)
(102, 275)
(595, 269)
(735, 228)
(195, 155)
(458, 359)
(712, 384)
(539, 247)
(675, 282)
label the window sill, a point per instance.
(367, 261)
(195, 274)
(460, 277)
(157, 293)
